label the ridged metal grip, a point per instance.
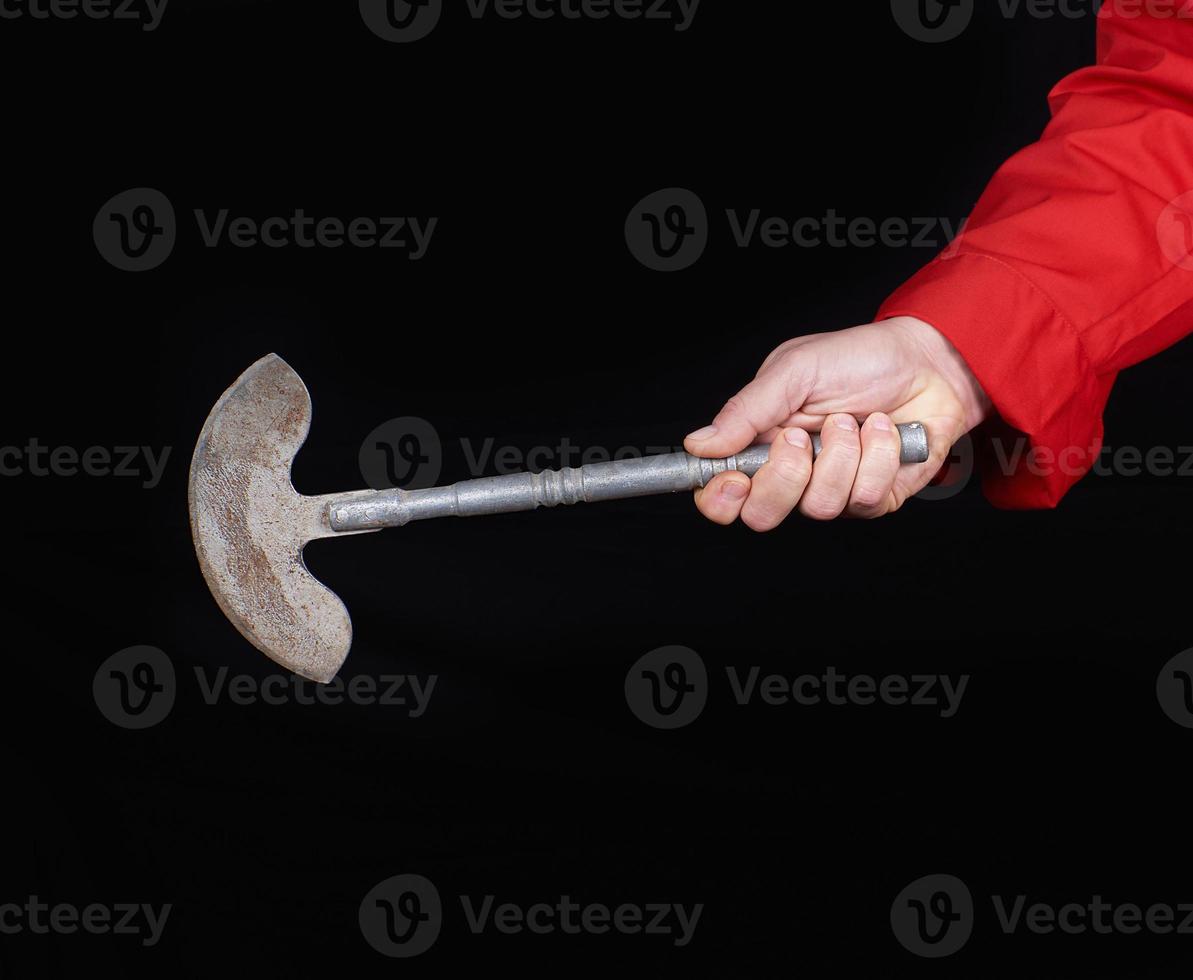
(615, 480)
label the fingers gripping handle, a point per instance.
(615, 480)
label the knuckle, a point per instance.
(864, 513)
(708, 508)
(716, 518)
(773, 359)
(791, 470)
(784, 357)
(763, 515)
(885, 449)
(868, 496)
(758, 521)
(735, 406)
(843, 445)
(821, 507)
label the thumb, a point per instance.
(767, 401)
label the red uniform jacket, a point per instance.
(1078, 260)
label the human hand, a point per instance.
(899, 370)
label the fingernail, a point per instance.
(798, 438)
(846, 422)
(706, 433)
(881, 423)
(734, 489)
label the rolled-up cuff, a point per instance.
(1030, 360)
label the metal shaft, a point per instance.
(614, 480)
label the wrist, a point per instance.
(946, 361)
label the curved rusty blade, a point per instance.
(250, 524)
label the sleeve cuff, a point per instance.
(1029, 359)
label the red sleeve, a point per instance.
(1078, 260)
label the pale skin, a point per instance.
(853, 386)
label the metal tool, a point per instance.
(250, 524)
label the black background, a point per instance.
(528, 321)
